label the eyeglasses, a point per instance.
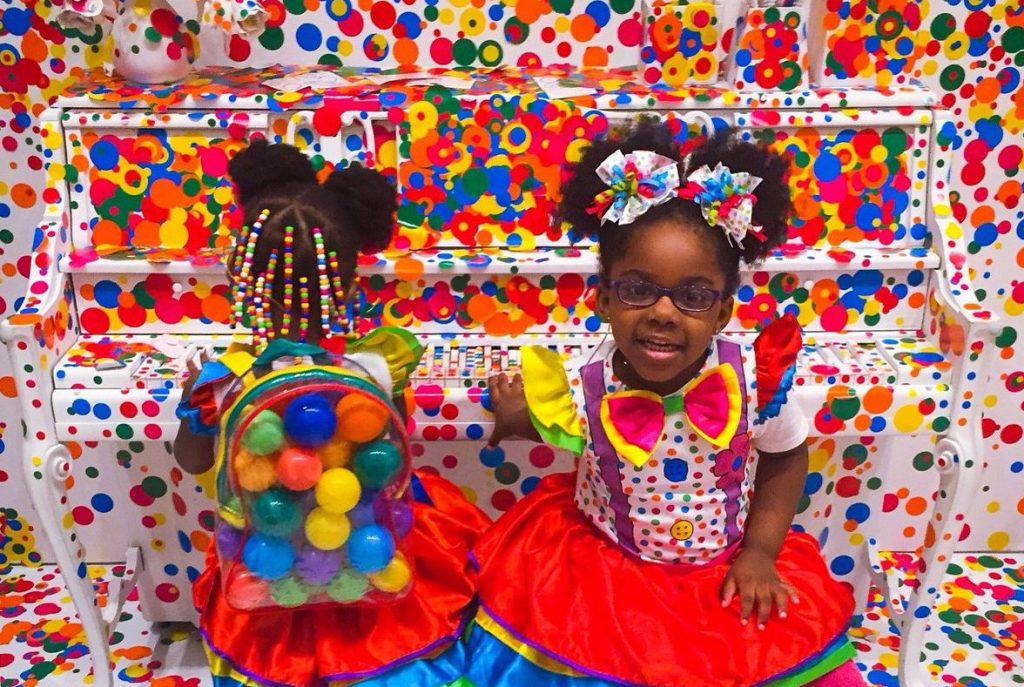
(643, 294)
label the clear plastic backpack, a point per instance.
(313, 478)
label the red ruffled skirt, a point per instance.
(301, 647)
(553, 581)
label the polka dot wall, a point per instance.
(970, 52)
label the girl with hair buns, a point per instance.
(666, 558)
(292, 273)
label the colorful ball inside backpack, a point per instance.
(264, 434)
(254, 473)
(395, 575)
(310, 420)
(401, 517)
(360, 419)
(370, 548)
(317, 566)
(229, 541)
(268, 557)
(245, 591)
(338, 490)
(376, 463)
(290, 592)
(326, 530)
(276, 513)
(298, 468)
(336, 453)
(348, 586)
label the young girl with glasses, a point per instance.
(666, 558)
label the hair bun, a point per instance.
(263, 170)
(369, 200)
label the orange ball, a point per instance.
(360, 419)
(255, 473)
(336, 453)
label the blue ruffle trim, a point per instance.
(774, 406)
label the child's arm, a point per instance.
(194, 452)
(778, 485)
(508, 402)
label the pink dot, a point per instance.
(834, 319)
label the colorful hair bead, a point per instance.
(323, 281)
(304, 305)
(339, 292)
(289, 269)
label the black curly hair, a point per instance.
(354, 209)
(771, 210)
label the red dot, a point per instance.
(382, 14)
(503, 499)
(1011, 434)
(128, 410)
(449, 411)
(82, 515)
(541, 456)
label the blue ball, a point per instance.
(310, 420)
(370, 548)
(268, 557)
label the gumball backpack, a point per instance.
(313, 474)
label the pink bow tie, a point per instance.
(635, 420)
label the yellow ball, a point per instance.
(255, 473)
(336, 453)
(394, 577)
(326, 530)
(338, 490)
(360, 419)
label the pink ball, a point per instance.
(299, 469)
(245, 591)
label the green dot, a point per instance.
(330, 59)
(846, 408)
(474, 182)
(92, 472)
(152, 35)
(943, 25)
(124, 431)
(272, 38)
(923, 461)
(516, 31)
(191, 187)
(6, 236)
(1007, 337)
(295, 6)
(952, 77)
(507, 473)
(154, 486)
(464, 52)
(622, 6)
(1013, 39)
(430, 13)
(561, 6)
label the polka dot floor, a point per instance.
(978, 640)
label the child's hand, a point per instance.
(755, 581)
(195, 358)
(508, 402)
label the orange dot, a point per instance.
(583, 27)
(216, 308)
(408, 269)
(106, 233)
(7, 387)
(916, 505)
(480, 308)
(595, 56)
(877, 399)
(23, 195)
(167, 194)
(987, 89)
(126, 299)
(406, 51)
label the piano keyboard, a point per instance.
(129, 389)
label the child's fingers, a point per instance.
(747, 600)
(765, 600)
(728, 591)
(190, 359)
(781, 594)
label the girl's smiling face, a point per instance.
(661, 346)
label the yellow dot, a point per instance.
(908, 418)
(993, 507)
(997, 541)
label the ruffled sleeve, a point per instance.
(775, 352)
(549, 399)
(399, 348)
(201, 408)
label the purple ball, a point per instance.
(365, 512)
(229, 541)
(401, 517)
(317, 566)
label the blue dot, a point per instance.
(841, 565)
(101, 411)
(106, 293)
(599, 12)
(104, 155)
(474, 431)
(184, 542)
(813, 483)
(529, 484)
(411, 22)
(17, 21)
(877, 423)
(308, 37)
(80, 407)
(171, 569)
(986, 234)
(101, 503)
(827, 167)
(5, 210)
(492, 456)
(858, 512)
(676, 469)
(495, 12)
(1016, 467)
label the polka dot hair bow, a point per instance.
(246, 18)
(726, 200)
(636, 182)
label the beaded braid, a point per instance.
(253, 292)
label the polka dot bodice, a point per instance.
(688, 503)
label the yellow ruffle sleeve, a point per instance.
(549, 400)
(399, 348)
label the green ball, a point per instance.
(376, 463)
(348, 585)
(289, 591)
(276, 513)
(265, 434)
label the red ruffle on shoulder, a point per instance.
(775, 352)
(304, 646)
